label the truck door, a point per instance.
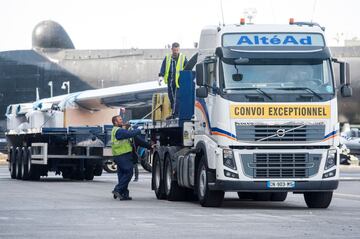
(211, 83)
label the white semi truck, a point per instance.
(260, 119)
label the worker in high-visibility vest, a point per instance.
(169, 73)
(123, 157)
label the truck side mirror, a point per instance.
(202, 92)
(346, 91)
(345, 88)
(344, 73)
(219, 52)
(200, 74)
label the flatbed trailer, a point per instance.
(75, 152)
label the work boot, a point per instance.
(125, 198)
(116, 194)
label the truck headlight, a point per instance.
(330, 159)
(330, 174)
(228, 159)
(230, 174)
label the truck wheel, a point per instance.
(25, 165)
(172, 190)
(18, 163)
(318, 199)
(12, 163)
(278, 197)
(190, 195)
(206, 197)
(110, 166)
(157, 178)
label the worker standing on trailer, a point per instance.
(169, 73)
(122, 151)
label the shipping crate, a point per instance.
(161, 103)
(166, 107)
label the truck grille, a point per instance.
(287, 165)
(276, 133)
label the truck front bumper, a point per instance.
(260, 186)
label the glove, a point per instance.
(126, 126)
(160, 79)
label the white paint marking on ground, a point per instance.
(349, 178)
(347, 195)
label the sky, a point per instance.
(118, 24)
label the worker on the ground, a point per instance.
(122, 151)
(170, 72)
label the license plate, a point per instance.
(280, 184)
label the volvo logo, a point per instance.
(280, 133)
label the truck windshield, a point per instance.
(279, 75)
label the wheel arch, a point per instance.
(201, 153)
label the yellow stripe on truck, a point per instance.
(275, 111)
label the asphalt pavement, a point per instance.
(57, 208)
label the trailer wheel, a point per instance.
(89, 176)
(172, 190)
(278, 197)
(18, 163)
(78, 175)
(25, 164)
(12, 163)
(318, 199)
(66, 173)
(9, 158)
(34, 173)
(157, 178)
(89, 173)
(98, 170)
(207, 198)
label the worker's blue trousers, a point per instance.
(172, 90)
(125, 167)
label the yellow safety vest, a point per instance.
(119, 147)
(179, 67)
